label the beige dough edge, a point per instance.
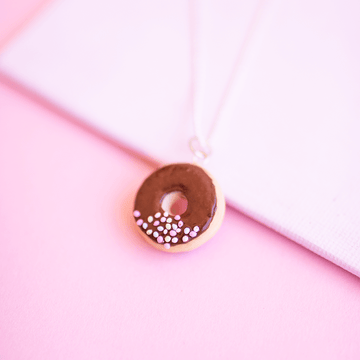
(207, 235)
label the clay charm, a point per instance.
(200, 221)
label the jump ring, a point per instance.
(200, 151)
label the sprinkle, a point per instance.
(175, 240)
(150, 219)
(163, 219)
(166, 214)
(180, 223)
(145, 225)
(167, 238)
(160, 239)
(149, 232)
(185, 238)
(137, 213)
(155, 234)
(174, 226)
(157, 215)
(165, 232)
(196, 228)
(177, 217)
(169, 220)
(178, 230)
(160, 228)
(168, 226)
(139, 222)
(172, 232)
(186, 230)
(193, 233)
(167, 246)
(156, 223)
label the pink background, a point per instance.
(77, 282)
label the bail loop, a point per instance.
(200, 150)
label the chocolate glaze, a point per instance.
(196, 186)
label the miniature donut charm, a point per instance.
(201, 219)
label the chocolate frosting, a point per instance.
(196, 186)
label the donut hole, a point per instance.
(175, 203)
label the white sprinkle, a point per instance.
(167, 246)
(163, 219)
(149, 232)
(175, 240)
(145, 225)
(150, 219)
(166, 214)
(169, 220)
(137, 213)
(178, 230)
(165, 232)
(186, 230)
(177, 217)
(180, 223)
(168, 226)
(196, 229)
(167, 238)
(174, 226)
(155, 234)
(185, 238)
(157, 215)
(160, 228)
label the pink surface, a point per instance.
(77, 282)
(14, 15)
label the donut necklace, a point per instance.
(178, 230)
(172, 232)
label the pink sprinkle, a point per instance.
(156, 223)
(139, 222)
(193, 234)
(163, 219)
(180, 223)
(167, 246)
(178, 230)
(177, 217)
(172, 232)
(137, 213)
(160, 239)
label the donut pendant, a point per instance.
(179, 232)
